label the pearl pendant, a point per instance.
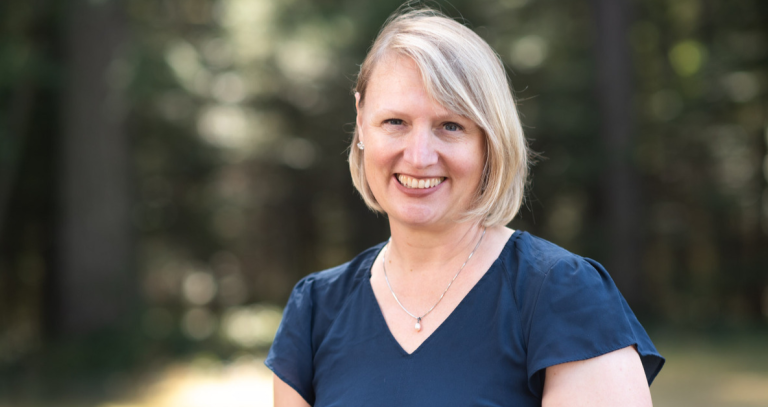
(418, 325)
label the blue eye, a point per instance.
(451, 126)
(395, 122)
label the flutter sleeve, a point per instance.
(580, 314)
(290, 356)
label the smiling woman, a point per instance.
(412, 140)
(456, 308)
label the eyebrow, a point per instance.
(391, 112)
(448, 116)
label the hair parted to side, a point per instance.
(462, 73)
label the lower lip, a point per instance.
(417, 191)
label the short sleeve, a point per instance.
(580, 314)
(290, 356)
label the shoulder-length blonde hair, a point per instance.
(462, 73)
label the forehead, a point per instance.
(396, 81)
(393, 69)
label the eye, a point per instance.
(451, 126)
(394, 122)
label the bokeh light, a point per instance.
(230, 122)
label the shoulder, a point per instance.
(540, 256)
(311, 310)
(538, 271)
(530, 260)
(329, 288)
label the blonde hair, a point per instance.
(463, 74)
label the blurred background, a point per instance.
(170, 168)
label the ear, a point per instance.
(358, 119)
(357, 102)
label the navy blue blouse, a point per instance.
(537, 306)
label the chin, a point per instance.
(418, 216)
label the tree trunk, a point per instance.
(620, 181)
(92, 284)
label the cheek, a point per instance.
(471, 163)
(375, 172)
(377, 159)
(479, 160)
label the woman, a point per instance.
(455, 309)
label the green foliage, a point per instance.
(240, 113)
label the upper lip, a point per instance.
(419, 176)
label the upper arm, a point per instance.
(613, 379)
(286, 396)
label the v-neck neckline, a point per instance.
(380, 314)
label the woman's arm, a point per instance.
(286, 396)
(611, 380)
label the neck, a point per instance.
(416, 251)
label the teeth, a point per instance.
(411, 182)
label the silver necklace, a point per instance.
(418, 319)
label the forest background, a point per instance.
(169, 170)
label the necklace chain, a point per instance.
(418, 318)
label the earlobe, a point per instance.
(360, 144)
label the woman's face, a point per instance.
(423, 162)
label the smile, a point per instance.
(416, 183)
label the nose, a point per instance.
(420, 147)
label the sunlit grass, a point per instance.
(714, 372)
(246, 382)
(701, 371)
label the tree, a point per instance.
(93, 284)
(620, 182)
